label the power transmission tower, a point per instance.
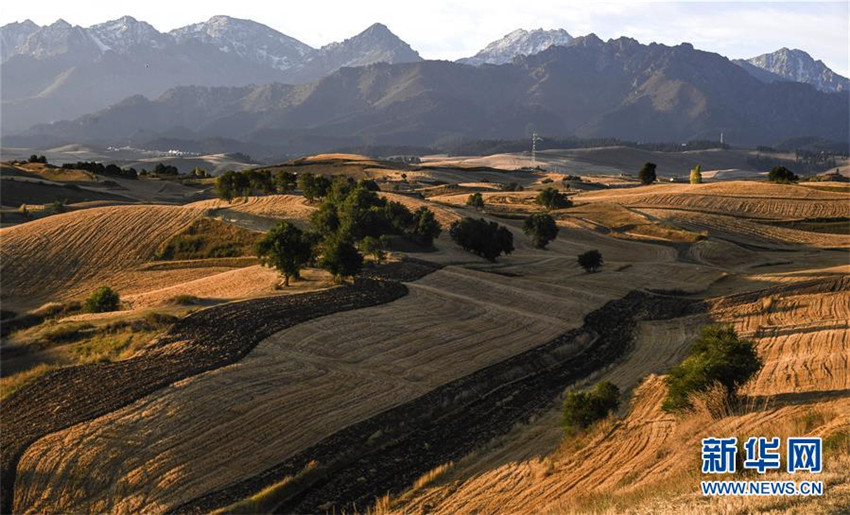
(534, 139)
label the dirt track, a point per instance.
(203, 341)
(362, 461)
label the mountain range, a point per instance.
(61, 71)
(239, 83)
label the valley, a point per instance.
(431, 382)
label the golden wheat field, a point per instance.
(297, 388)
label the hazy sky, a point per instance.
(444, 29)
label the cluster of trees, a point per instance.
(110, 170)
(230, 184)
(647, 173)
(782, 175)
(487, 239)
(583, 408)
(550, 198)
(718, 356)
(350, 219)
(37, 159)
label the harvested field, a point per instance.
(200, 342)
(66, 256)
(630, 465)
(736, 198)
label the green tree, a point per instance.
(590, 260)
(372, 246)
(313, 187)
(583, 408)
(284, 181)
(696, 175)
(286, 249)
(487, 239)
(541, 228)
(225, 185)
(424, 227)
(550, 198)
(102, 300)
(718, 356)
(475, 200)
(647, 173)
(782, 175)
(369, 184)
(340, 258)
(260, 180)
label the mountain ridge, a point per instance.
(635, 92)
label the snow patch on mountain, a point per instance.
(798, 66)
(518, 43)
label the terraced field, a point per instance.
(66, 256)
(368, 386)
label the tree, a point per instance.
(647, 173)
(424, 227)
(542, 229)
(340, 258)
(475, 200)
(369, 184)
(782, 175)
(583, 408)
(314, 187)
(550, 198)
(487, 239)
(590, 261)
(102, 300)
(718, 356)
(511, 186)
(696, 175)
(286, 249)
(374, 247)
(284, 181)
(229, 185)
(260, 180)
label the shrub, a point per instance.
(58, 206)
(286, 249)
(647, 173)
(782, 175)
(590, 261)
(542, 229)
(66, 333)
(475, 200)
(511, 186)
(717, 356)
(102, 300)
(696, 175)
(583, 408)
(487, 239)
(550, 198)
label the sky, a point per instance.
(448, 29)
